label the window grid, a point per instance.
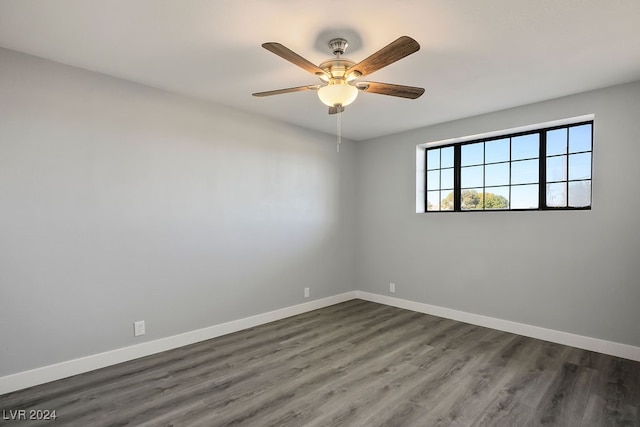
(442, 167)
(574, 180)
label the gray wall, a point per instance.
(576, 272)
(119, 202)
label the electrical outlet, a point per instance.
(392, 288)
(138, 328)
(306, 292)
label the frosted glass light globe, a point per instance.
(337, 92)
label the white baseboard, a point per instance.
(587, 343)
(69, 368)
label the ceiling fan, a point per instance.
(339, 86)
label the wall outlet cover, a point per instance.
(138, 328)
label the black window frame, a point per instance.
(542, 171)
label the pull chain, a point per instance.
(339, 129)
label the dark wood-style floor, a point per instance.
(351, 364)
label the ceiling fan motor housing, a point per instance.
(337, 67)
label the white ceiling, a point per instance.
(476, 56)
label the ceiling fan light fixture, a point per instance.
(339, 76)
(337, 92)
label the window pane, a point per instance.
(580, 138)
(471, 176)
(497, 174)
(557, 168)
(433, 180)
(433, 158)
(446, 178)
(447, 200)
(557, 142)
(447, 157)
(580, 194)
(524, 172)
(472, 154)
(504, 173)
(580, 166)
(433, 200)
(471, 199)
(496, 151)
(524, 197)
(557, 195)
(496, 198)
(525, 147)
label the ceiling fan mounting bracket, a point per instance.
(338, 46)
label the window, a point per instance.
(541, 169)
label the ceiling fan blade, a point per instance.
(336, 109)
(410, 92)
(286, 53)
(287, 90)
(394, 51)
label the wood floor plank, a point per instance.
(352, 364)
(448, 392)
